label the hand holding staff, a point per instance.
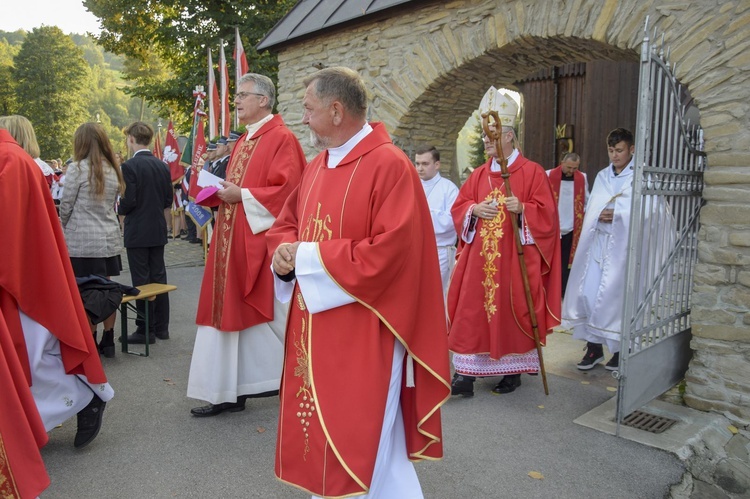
(495, 136)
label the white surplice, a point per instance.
(441, 193)
(593, 301)
(595, 294)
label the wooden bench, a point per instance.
(148, 292)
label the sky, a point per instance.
(68, 15)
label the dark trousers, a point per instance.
(566, 243)
(147, 266)
(191, 230)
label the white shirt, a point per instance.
(565, 206)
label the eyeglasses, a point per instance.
(242, 95)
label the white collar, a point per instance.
(336, 154)
(433, 180)
(254, 127)
(495, 166)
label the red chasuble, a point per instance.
(22, 472)
(375, 239)
(35, 272)
(487, 306)
(237, 289)
(579, 199)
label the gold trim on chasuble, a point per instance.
(491, 233)
(8, 487)
(414, 456)
(317, 229)
(224, 227)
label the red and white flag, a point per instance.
(214, 105)
(171, 155)
(224, 76)
(199, 149)
(240, 64)
(240, 58)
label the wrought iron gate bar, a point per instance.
(662, 241)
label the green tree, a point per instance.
(53, 84)
(477, 157)
(7, 82)
(174, 34)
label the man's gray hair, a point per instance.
(342, 84)
(263, 85)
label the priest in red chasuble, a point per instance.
(239, 345)
(571, 189)
(490, 327)
(366, 362)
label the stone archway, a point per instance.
(429, 66)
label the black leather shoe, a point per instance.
(162, 335)
(89, 422)
(140, 338)
(462, 385)
(195, 241)
(508, 384)
(214, 409)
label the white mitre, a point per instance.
(503, 104)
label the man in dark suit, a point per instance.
(148, 191)
(219, 166)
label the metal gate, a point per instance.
(662, 244)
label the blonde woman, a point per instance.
(87, 212)
(22, 132)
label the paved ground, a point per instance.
(151, 447)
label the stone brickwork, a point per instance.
(428, 68)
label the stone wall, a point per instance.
(428, 69)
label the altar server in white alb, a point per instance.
(441, 193)
(593, 301)
(593, 304)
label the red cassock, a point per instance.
(372, 224)
(237, 289)
(22, 472)
(35, 272)
(487, 307)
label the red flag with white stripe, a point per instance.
(240, 58)
(240, 64)
(214, 106)
(224, 76)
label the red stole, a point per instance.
(373, 226)
(35, 268)
(579, 197)
(237, 289)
